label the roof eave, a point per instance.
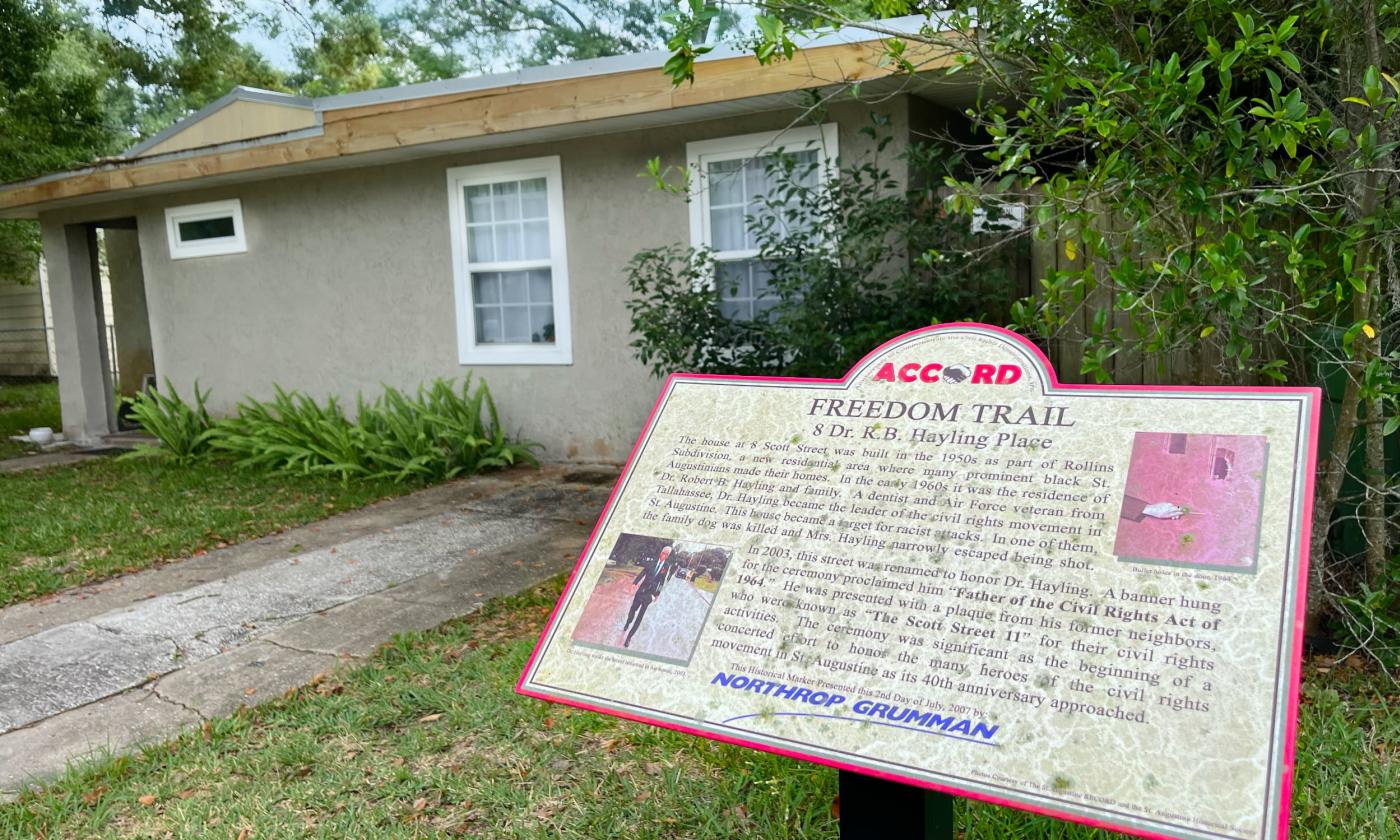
(435, 113)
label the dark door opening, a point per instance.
(128, 360)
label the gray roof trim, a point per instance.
(238, 94)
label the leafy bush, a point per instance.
(1368, 617)
(182, 429)
(440, 433)
(853, 262)
(292, 433)
(437, 434)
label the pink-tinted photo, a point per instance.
(1194, 500)
(653, 597)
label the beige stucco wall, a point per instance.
(347, 282)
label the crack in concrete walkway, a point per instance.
(108, 667)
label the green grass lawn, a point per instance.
(24, 406)
(68, 525)
(429, 740)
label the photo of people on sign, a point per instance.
(653, 597)
(1193, 500)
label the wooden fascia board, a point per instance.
(447, 117)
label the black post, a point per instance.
(876, 809)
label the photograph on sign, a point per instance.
(1193, 500)
(949, 569)
(653, 597)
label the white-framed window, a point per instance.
(205, 230)
(729, 178)
(509, 266)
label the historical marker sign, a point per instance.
(947, 569)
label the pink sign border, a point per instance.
(1052, 384)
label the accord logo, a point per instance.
(952, 374)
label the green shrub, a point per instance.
(1368, 618)
(292, 433)
(439, 433)
(182, 429)
(850, 262)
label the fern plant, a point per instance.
(292, 433)
(437, 434)
(183, 429)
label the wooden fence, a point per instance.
(24, 336)
(1197, 365)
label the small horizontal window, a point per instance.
(205, 230)
(215, 228)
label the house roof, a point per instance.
(241, 114)
(252, 134)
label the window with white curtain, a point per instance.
(731, 177)
(510, 272)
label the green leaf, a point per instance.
(1371, 83)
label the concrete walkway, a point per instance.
(44, 460)
(109, 666)
(63, 454)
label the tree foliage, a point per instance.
(1246, 157)
(1224, 180)
(81, 81)
(175, 56)
(76, 85)
(54, 108)
(346, 52)
(355, 45)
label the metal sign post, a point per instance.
(878, 809)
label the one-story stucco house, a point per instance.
(335, 245)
